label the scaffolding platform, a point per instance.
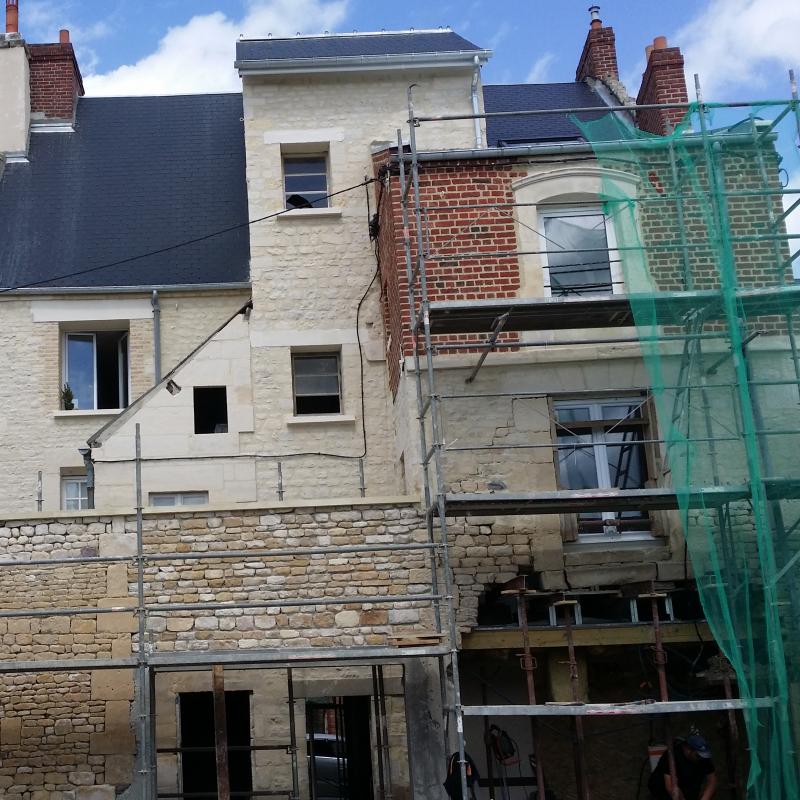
(578, 501)
(600, 311)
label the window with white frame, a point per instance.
(317, 383)
(305, 181)
(170, 499)
(96, 372)
(600, 445)
(578, 244)
(74, 493)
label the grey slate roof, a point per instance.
(138, 174)
(339, 46)
(532, 96)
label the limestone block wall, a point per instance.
(35, 434)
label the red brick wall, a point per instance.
(663, 82)
(599, 56)
(55, 80)
(462, 244)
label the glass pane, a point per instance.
(194, 498)
(319, 365)
(307, 200)
(577, 468)
(302, 165)
(573, 272)
(630, 410)
(572, 414)
(306, 183)
(80, 369)
(625, 461)
(162, 500)
(316, 384)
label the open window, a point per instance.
(601, 446)
(305, 180)
(210, 409)
(317, 383)
(579, 252)
(96, 371)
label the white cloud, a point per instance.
(731, 43)
(41, 20)
(540, 71)
(499, 35)
(198, 56)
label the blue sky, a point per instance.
(740, 47)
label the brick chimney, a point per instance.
(56, 82)
(663, 81)
(599, 56)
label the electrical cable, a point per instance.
(177, 245)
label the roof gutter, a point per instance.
(161, 288)
(285, 66)
(571, 147)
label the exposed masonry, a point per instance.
(55, 81)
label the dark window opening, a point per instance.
(317, 387)
(498, 610)
(210, 409)
(686, 605)
(604, 609)
(197, 744)
(339, 748)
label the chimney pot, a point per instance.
(63, 36)
(12, 16)
(594, 15)
(659, 43)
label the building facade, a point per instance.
(334, 402)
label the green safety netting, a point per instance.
(699, 218)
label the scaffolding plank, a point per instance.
(585, 636)
(614, 709)
(599, 311)
(576, 501)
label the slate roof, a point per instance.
(532, 96)
(138, 174)
(354, 45)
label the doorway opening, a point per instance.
(198, 767)
(339, 748)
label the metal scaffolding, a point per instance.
(686, 316)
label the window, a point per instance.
(74, 493)
(210, 409)
(169, 499)
(577, 258)
(305, 181)
(600, 446)
(317, 387)
(95, 370)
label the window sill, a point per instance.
(311, 213)
(93, 412)
(321, 419)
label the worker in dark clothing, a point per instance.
(697, 778)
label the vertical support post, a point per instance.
(437, 446)
(378, 733)
(528, 665)
(733, 727)
(39, 498)
(280, 480)
(143, 673)
(293, 737)
(663, 688)
(581, 772)
(423, 437)
(385, 734)
(220, 732)
(153, 751)
(362, 485)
